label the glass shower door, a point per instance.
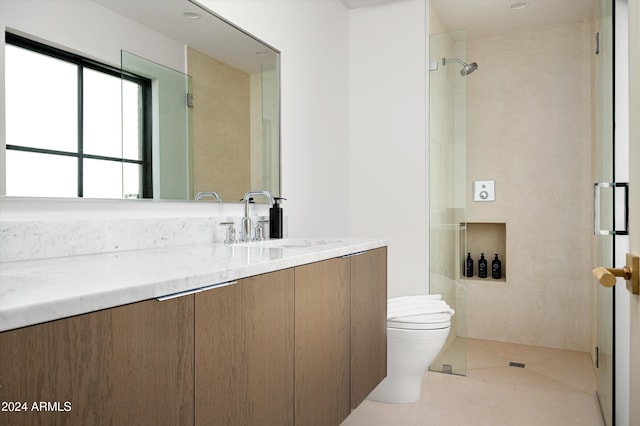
(604, 201)
(447, 190)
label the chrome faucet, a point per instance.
(215, 195)
(246, 220)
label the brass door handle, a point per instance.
(630, 272)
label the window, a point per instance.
(74, 127)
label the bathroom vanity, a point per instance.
(289, 332)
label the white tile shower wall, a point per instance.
(533, 114)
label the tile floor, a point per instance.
(556, 388)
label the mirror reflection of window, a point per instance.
(75, 124)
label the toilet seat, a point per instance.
(419, 313)
(421, 322)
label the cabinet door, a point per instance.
(219, 391)
(267, 348)
(153, 362)
(322, 362)
(368, 322)
(127, 365)
(244, 352)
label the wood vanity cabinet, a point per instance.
(244, 352)
(298, 346)
(127, 365)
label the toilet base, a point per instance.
(409, 354)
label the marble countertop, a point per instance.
(37, 291)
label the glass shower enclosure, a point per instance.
(447, 189)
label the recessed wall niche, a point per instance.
(488, 238)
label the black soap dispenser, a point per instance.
(482, 266)
(468, 266)
(275, 218)
(496, 268)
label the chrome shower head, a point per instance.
(466, 68)
(469, 68)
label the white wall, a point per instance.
(312, 38)
(387, 136)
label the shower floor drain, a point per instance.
(516, 364)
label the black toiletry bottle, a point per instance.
(496, 268)
(275, 218)
(482, 266)
(468, 266)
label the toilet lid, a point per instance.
(418, 313)
(417, 305)
(421, 322)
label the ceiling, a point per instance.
(489, 17)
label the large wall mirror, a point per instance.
(135, 99)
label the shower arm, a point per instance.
(460, 61)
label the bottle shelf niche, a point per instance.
(484, 237)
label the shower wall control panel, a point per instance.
(484, 190)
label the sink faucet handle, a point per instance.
(259, 232)
(231, 232)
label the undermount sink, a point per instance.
(290, 243)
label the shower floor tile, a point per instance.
(556, 387)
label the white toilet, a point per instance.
(417, 329)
